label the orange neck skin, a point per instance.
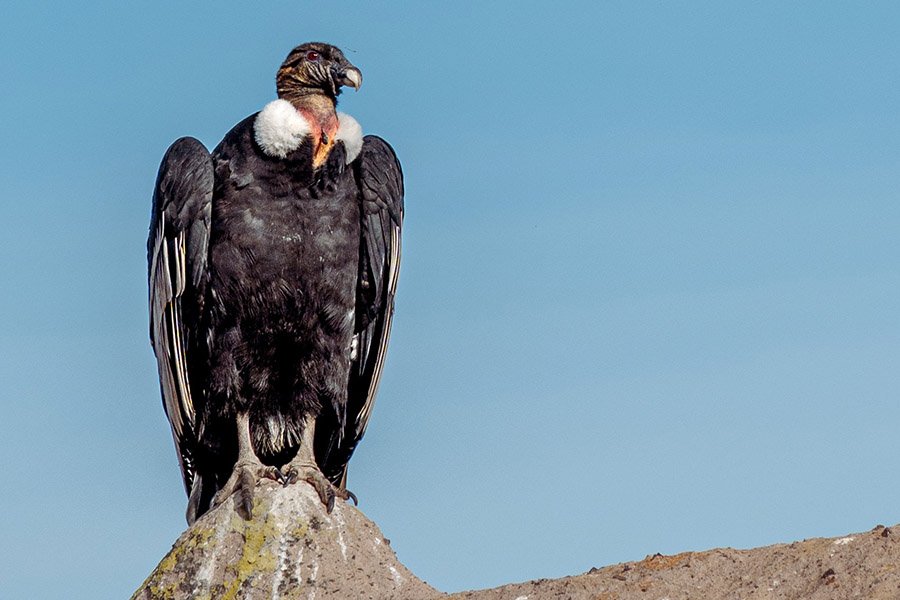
(323, 123)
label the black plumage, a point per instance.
(273, 267)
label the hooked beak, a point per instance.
(349, 76)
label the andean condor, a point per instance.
(272, 271)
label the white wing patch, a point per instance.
(168, 343)
(362, 420)
(279, 128)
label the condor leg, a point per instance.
(304, 468)
(247, 471)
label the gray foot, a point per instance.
(243, 479)
(301, 471)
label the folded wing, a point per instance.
(177, 260)
(380, 182)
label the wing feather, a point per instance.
(177, 260)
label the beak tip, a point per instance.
(354, 78)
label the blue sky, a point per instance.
(649, 299)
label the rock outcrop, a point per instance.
(291, 548)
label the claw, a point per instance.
(245, 498)
(279, 476)
(242, 481)
(288, 477)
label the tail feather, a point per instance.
(200, 501)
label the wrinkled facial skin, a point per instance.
(316, 68)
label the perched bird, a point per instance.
(272, 271)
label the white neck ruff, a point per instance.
(279, 129)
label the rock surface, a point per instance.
(291, 548)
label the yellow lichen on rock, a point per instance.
(257, 558)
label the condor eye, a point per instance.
(312, 56)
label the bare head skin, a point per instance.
(315, 70)
(311, 78)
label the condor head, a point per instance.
(316, 68)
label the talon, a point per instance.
(351, 496)
(243, 480)
(289, 477)
(273, 473)
(279, 476)
(246, 504)
(326, 494)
